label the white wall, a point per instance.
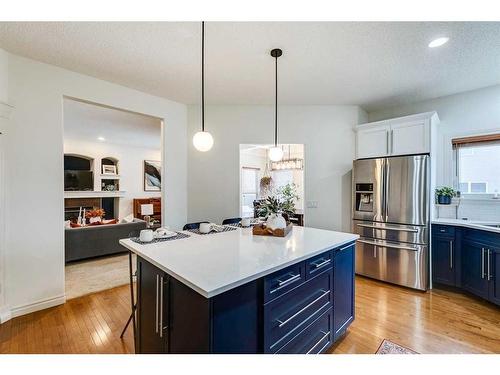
(4, 118)
(4, 77)
(328, 138)
(34, 149)
(469, 113)
(130, 164)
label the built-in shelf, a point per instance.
(110, 176)
(94, 194)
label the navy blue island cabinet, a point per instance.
(303, 308)
(468, 259)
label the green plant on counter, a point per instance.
(446, 191)
(282, 201)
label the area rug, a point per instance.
(94, 275)
(389, 347)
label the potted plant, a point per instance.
(444, 195)
(282, 202)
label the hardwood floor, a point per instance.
(88, 324)
(440, 321)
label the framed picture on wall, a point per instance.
(152, 175)
(109, 169)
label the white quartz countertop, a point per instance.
(212, 264)
(474, 224)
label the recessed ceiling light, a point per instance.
(438, 42)
(102, 139)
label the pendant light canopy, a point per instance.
(203, 141)
(276, 153)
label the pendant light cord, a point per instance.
(203, 76)
(276, 104)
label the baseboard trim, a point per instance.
(36, 306)
(5, 315)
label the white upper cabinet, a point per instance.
(400, 136)
(373, 142)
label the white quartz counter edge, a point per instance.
(468, 224)
(211, 293)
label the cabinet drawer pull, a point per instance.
(156, 306)
(281, 323)
(325, 335)
(345, 247)
(323, 263)
(289, 280)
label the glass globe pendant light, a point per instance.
(276, 153)
(203, 141)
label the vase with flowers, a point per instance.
(95, 216)
(281, 202)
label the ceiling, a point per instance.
(372, 64)
(87, 122)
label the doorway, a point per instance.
(112, 180)
(261, 178)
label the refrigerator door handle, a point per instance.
(386, 188)
(389, 245)
(412, 230)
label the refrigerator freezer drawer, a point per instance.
(398, 263)
(391, 232)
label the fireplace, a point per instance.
(72, 207)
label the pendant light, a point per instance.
(203, 140)
(276, 153)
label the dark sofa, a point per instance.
(98, 240)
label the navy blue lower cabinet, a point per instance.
(287, 315)
(467, 258)
(474, 277)
(302, 308)
(314, 339)
(343, 288)
(152, 317)
(493, 275)
(444, 260)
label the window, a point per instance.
(478, 164)
(249, 190)
(282, 177)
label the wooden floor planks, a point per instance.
(440, 321)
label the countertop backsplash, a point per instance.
(472, 209)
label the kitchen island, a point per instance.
(234, 292)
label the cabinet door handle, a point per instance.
(489, 274)
(281, 323)
(156, 306)
(325, 335)
(451, 255)
(482, 263)
(387, 142)
(392, 141)
(323, 263)
(161, 307)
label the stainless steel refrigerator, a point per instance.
(391, 215)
